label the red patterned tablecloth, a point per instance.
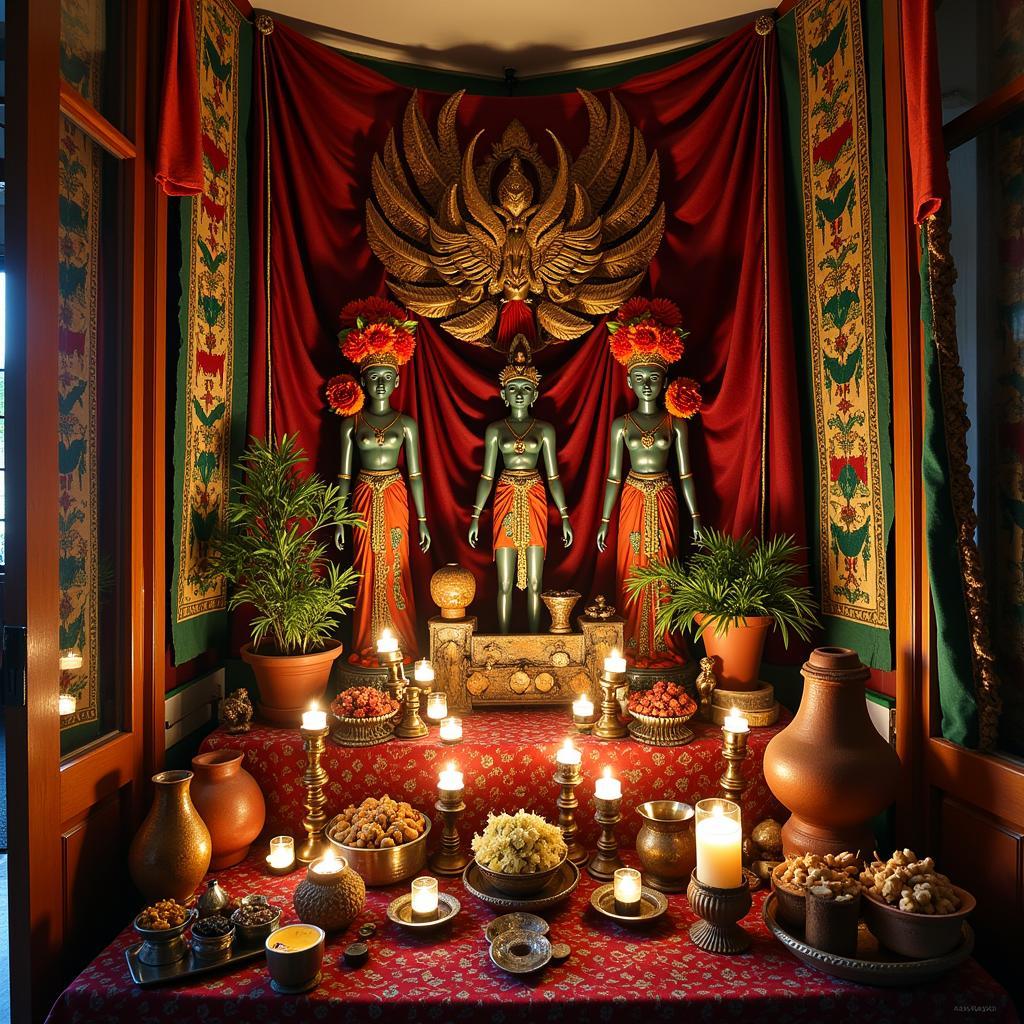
(613, 975)
(508, 760)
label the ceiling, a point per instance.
(534, 36)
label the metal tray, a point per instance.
(190, 966)
(560, 888)
(874, 964)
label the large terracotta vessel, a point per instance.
(829, 766)
(230, 802)
(171, 851)
(289, 683)
(737, 652)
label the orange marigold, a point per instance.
(371, 310)
(682, 398)
(344, 395)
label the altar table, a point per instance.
(613, 975)
(508, 760)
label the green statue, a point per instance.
(520, 500)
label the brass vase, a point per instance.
(560, 604)
(665, 844)
(171, 851)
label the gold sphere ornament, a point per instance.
(452, 589)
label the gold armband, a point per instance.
(484, 476)
(612, 480)
(685, 476)
(412, 476)
(344, 476)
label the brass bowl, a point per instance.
(560, 604)
(528, 884)
(364, 732)
(917, 936)
(386, 866)
(660, 732)
(665, 844)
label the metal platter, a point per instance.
(520, 952)
(560, 888)
(873, 965)
(523, 922)
(190, 966)
(400, 912)
(652, 905)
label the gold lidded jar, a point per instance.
(452, 589)
(666, 845)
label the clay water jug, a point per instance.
(171, 851)
(829, 766)
(230, 802)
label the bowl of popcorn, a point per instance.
(363, 716)
(518, 854)
(382, 839)
(799, 872)
(911, 908)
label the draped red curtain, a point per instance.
(319, 119)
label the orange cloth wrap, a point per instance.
(531, 530)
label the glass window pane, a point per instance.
(92, 55)
(91, 379)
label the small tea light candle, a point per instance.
(423, 672)
(450, 778)
(424, 898)
(388, 643)
(67, 704)
(607, 786)
(583, 707)
(451, 730)
(719, 844)
(735, 722)
(568, 754)
(329, 864)
(314, 719)
(626, 889)
(615, 663)
(437, 705)
(282, 854)
(71, 660)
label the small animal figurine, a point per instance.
(706, 683)
(236, 712)
(600, 609)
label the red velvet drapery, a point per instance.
(325, 116)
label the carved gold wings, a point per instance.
(573, 239)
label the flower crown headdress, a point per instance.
(376, 332)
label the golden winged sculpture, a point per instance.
(465, 243)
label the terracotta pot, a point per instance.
(737, 653)
(829, 766)
(289, 683)
(171, 851)
(230, 802)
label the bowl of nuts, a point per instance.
(161, 926)
(799, 872)
(255, 919)
(384, 840)
(911, 908)
(659, 715)
(363, 716)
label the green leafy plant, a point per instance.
(728, 579)
(270, 555)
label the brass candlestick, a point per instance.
(449, 859)
(606, 861)
(609, 725)
(719, 910)
(411, 726)
(314, 778)
(732, 784)
(569, 776)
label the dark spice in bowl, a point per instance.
(210, 927)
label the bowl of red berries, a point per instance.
(658, 715)
(363, 716)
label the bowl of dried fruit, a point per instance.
(363, 716)
(161, 926)
(255, 919)
(659, 715)
(383, 840)
(797, 873)
(212, 937)
(518, 854)
(911, 908)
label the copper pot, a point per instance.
(829, 766)
(288, 683)
(665, 844)
(737, 652)
(230, 802)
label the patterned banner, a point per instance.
(210, 415)
(846, 325)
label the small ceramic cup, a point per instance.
(295, 954)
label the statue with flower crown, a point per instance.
(646, 337)
(378, 336)
(520, 500)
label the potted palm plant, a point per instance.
(272, 558)
(733, 590)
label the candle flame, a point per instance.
(735, 712)
(314, 706)
(386, 634)
(567, 745)
(607, 771)
(717, 811)
(615, 653)
(451, 766)
(329, 859)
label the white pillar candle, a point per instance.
(583, 706)
(735, 722)
(450, 778)
(424, 897)
(608, 787)
(615, 662)
(387, 644)
(329, 864)
(451, 730)
(626, 891)
(71, 659)
(282, 853)
(423, 672)
(437, 706)
(568, 754)
(719, 844)
(314, 718)
(66, 704)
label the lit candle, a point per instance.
(388, 643)
(282, 853)
(451, 730)
(314, 719)
(583, 706)
(608, 787)
(437, 706)
(424, 898)
(423, 672)
(719, 844)
(626, 891)
(615, 662)
(735, 722)
(71, 659)
(568, 754)
(450, 778)
(66, 704)
(329, 864)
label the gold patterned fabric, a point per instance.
(520, 516)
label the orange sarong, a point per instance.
(520, 516)
(380, 554)
(648, 528)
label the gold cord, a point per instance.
(266, 231)
(764, 261)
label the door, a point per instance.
(84, 369)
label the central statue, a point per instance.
(520, 501)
